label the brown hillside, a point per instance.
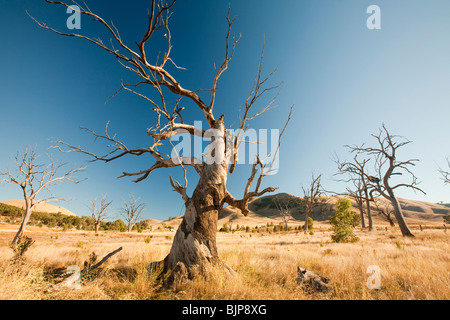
(42, 207)
(264, 210)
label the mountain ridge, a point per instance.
(263, 210)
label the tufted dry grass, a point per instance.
(265, 266)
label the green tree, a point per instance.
(342, 222)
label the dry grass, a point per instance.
(265, 266)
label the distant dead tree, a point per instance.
(312, 198)
(194, 247)
(356, 172)
(284, 210)
(33, 178)
(99, 213)
(131, 211)
(385, 209)
(357, 195)
(387, 166)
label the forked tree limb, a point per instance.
(242, 204)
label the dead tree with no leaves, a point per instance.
(33, 178)
(385, 209)
(357, 172)
(284, 210)
(387, 166)
(99, 214)
(194, 246)
(131, 212)
(312, 198)
(357, 195)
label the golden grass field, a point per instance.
(265, 265)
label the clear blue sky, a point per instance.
(344, 79)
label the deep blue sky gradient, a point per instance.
(344, 79)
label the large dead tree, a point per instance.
(194, 245)
(33, 178)
(99, 213)
(313, 197)
(388, 166)
(132, 211)
(357, 173)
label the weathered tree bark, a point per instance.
(406, 232)
(194, 244)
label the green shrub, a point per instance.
(148, 239)
(342, 222)
(225, 228)
(22, 245)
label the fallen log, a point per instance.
(72, 276)
(312, 282)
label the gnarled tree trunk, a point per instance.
(194, 244)
(406, 232)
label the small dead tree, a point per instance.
(357, 174)
(99, 214)
(194, 246)
(33, 178)
(357, 195)
(284, 210)
(132, 211)
(312, 198)
(386, 209)
(387, 166)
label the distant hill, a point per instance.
(264, 210)
(42, 207)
